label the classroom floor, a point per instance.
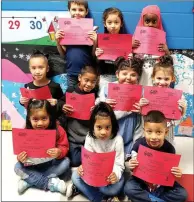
(183, 146)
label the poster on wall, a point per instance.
(24, 31)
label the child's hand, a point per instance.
(138, 108)
(143, 102)
(111, 102)
(22, 157)
(98, 52)
(164, 48)
(112, 178)
(92, 35)
(80, 171)
(59, 35)
(130, 56)
(176, 171)
(67, 109)
(24, 100)
(135, 43)
(133, 163)
(52, 101)
(183, 104)
(54, 152)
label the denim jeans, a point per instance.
(39, 175)
(75, 154)
(72, 80)
(137, 191)
(96, 194)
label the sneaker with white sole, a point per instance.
(72, 190)
(57, 185)
(22, 186)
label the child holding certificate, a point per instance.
(76, 56)
(44, 175)
(103, 138)
(77, 129)
(155, 130)
(130, 124)
(150, 17)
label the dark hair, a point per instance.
(78, 2)
(38, 54)
(135, 63)
(89, 69)
(103, 109)
(155, 117)
(112, 10)
(165, 62)
(40, 104)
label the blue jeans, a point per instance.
(75, 154)
(39, 175)
(72, 81)
(96, 194)
(137, 190)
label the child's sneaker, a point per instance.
(22, 186)
(72, 190)
(111, 199)
(57, 185)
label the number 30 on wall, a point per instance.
(35, 25)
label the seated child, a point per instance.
(155, 130)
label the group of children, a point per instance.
(107, 130)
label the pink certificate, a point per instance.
(76, 31)
(114, 45)
(149, 38)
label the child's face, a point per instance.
(87, 82)
(103, 128)
(78, 11)
(39, 119)
(127, 76)
(113, 24)
(155, 134)
(150, 20)
(38, 68)
(162, 79)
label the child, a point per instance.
(162, 76)
(45, 175)
(155, 130)
(77, 129)
(150, 17)
(76, 56)
(130, 126)
(39, 68)
(113, 24)
(102, 138)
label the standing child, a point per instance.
(150, 17)
(77, 129)
(162, 76)
(76, 56)
(130, 124)
(102, 138)
(38, 65)
(155, 130)
(45, 175)
(113, 24)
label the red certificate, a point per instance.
(34, 142)
(155, 167)
(114, 45)
(164, 100)
(149, 38)
(76, 31)
(81, 105)
(126, 95)
(97, 167)
(39, 94)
